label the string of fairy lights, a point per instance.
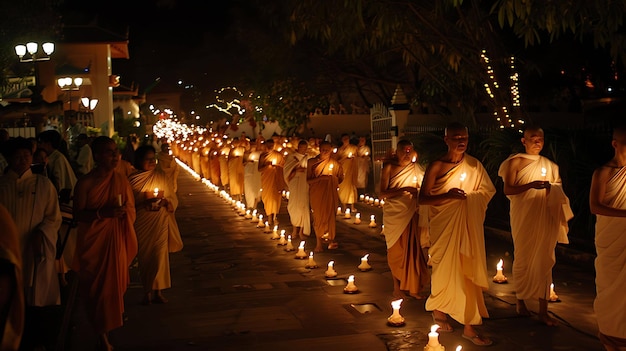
(502, 114)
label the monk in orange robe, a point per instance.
(104, 208)
(324, 174)
(271, 163)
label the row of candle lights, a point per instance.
(396, 318)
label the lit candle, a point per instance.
(414, 159)
(261, 224)
(282, 240)
(335, 150)
(382, 229)
(361, 197)
(248, 214)
(499, 277)
(462, 178)
(351, 288)
(347, 215)
(376, 202)
(330, 169)
(357, 218)
(330, 272)
(433, 338)
(301, 254)
(553, 296)
(287, 195)
(156, 192)
(372, 221)
(119, 200)
(289, 247)
(544, 173)
(311, 263)
(459, 348)
(396, 320)
(415, 179)
(382, 203)
(267, 227)
(274, 162)
(275, 235)
(364, 266)
(338, 210)
(350, 155)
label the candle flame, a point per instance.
(349, 155)
(302, 244)
(414, 159)
(351, 279)
(434, 327)
(463, 176)
(459, 348)
(289, 237)
(358, 215)
(282, 232)
(330, 167)
(311, 254)
(543, 172)
(347, 211)
(396, 304)
(500, 264)
(372, 217)
(552, 286)
(330, 264)
(365, 257)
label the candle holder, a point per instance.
(282, 241)
(311, 263)
(433, 340)
(357, 218)
(254, 218)
(330, 272)
(275, 235)
(396, 320)
(289, 246)
(499, 277)
(261, 224)
(301, 255)
(553, 296)
(364, 266)
(351, 288)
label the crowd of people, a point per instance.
(123, 208)
(82, 223)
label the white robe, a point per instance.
(398, 211)
(298, 204)
(457, 249)
(610, 305)
(33, 203)
(538, 221)
(60, 171)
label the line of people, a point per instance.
(91, 227)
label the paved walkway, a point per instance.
(235, 289)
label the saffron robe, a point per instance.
(33, 203)
(157, 231)
(298, 204)
(236, 171)
(459, 269)
(538, 221)
(252, 180)
(346, 155)
(105, 249)
(272, 181)
(323, 195)
(223, 159)
(11, 253)
(402, 232)
(610, 262)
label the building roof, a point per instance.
(93, 34)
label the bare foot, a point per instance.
(547, 320)
(521, 309)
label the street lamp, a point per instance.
(28, 53)
(89, 103)
(32, 48)
(68, 84)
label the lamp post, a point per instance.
(68, 84)
(30, 53)
(88, 105)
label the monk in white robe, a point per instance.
(324, 174)
(11, 294)
(167, 164)
(346, 156)
(271, 163)
(457, 190)
(104, 207)
(252, 178)
(32, 201)
(607, 200)
(399, 187)
(298, 204)
(364, 163)
(156, 227)
(539, 214)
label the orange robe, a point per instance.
(347, 156)
(323, 195)
(236, 170)
(105, 249)
(402, 232)
(272, 180)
